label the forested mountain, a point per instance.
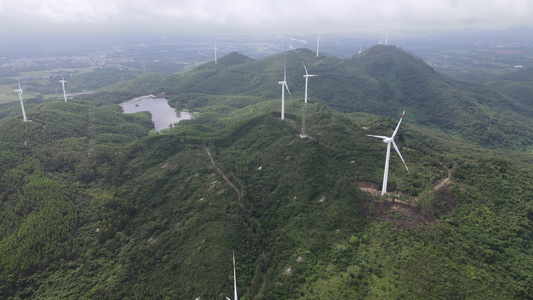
(94, 206)
(517, 85)
(382, 80)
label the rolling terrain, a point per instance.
(95, 206)
(382, 80)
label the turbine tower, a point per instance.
(307, 75)
(216, 49)
(234, 280)
(317, 43)
(360, 49)
(21, 102)
(63, 81)
(386, 37)
(303, 133)
(283, 87)
(389, 141)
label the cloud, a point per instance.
(234, 16)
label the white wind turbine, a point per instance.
(21, 102)
(389, 141)
(234, 280)
(290, 46)
(317, 43)
(283, 87)
(63, 81)
(303, 134)
(216, 49)
(307, 75)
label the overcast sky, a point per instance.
(43, 17)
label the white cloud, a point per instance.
(266, 15)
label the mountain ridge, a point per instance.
(381, 80)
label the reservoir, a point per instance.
(162, 114)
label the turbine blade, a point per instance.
(305, 68)
(396, 130)
(378, 136)
(397, 150)
(286, 86)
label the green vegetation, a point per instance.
(95, 206)
(382, 80)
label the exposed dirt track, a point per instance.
(403, 214)
(224, 175)
(445, 182)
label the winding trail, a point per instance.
(224, 175)
(444, 182)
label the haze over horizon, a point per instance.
(28, 19)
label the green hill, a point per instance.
(159, 217)
(94, 206)
(517, 85)
(382, 80)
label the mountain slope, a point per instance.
(382, 80)
(160, 219)
(104, 209)
(517, 85)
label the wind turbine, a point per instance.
(389, 141)
(283, 86)
(360, 49)
(216, 49)
(234, 280)
(21, 103)
(307, 75)
(317, 43)
(63, 84)
(386, 37)
(290, 46)
(303, 134)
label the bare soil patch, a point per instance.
(402, 214)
